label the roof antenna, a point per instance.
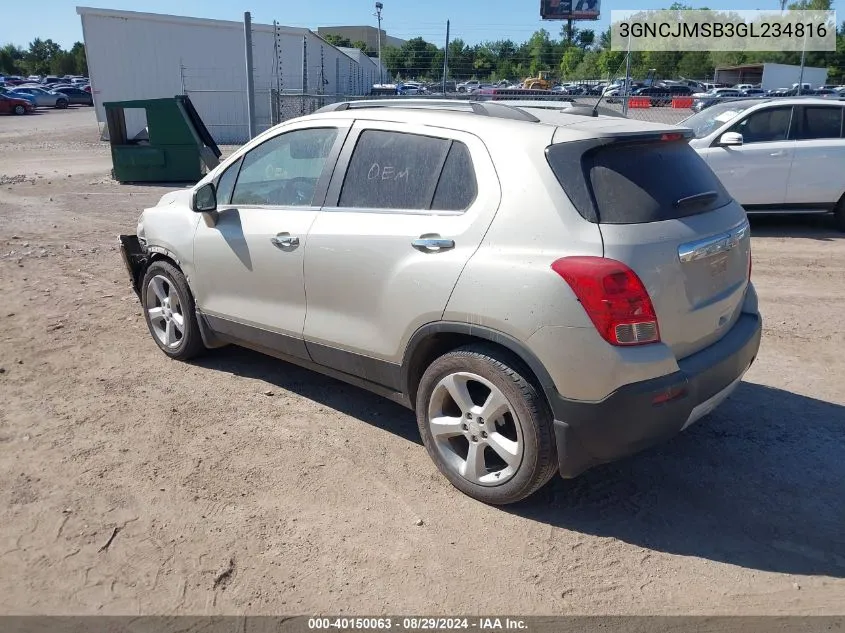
(595, 111)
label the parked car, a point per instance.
(76, 95)
(533, 329)
(702, 102)
(777, 156)
(52, 79)
(15, 105)
(468, 86)
(11, 92)
(754, 92)
(45, 98)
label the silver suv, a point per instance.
(548, 290)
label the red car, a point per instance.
(11, 105)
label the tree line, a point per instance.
(43, 57)
(582, 55)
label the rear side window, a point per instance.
(395, 170)
(822, 122)
(457, 187)
(636, 183)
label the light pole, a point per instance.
(379, 7)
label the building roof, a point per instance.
(180, 19)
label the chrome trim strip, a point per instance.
(710, 246)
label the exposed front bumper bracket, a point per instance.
(134, 258)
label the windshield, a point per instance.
(714, 117)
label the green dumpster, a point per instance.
(159, 140)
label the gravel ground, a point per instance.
(239, 484)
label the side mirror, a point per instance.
(205, 199)
(730, 138)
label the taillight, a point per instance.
(614, 298)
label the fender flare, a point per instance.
(514, 345)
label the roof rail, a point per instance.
(486, 108)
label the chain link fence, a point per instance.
(282, 106)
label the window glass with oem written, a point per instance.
(284, 170)
(821, 122)
(393, 170)
(765, 126)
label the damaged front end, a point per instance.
(135, 258)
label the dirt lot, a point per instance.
(131, 483)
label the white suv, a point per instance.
(547, 290)
(777, 155)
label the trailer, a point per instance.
(770, 76)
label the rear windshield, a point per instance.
(635, 183)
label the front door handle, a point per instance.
(432, 244)
(778, 153)
(284, 240)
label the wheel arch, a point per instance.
(435, 339)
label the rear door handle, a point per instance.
(432, 244)
(284, 240)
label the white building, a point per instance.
(146, 56)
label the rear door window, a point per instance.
(402, 171)
(393, 170)
(638, 182)
(820, 122)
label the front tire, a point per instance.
(19, 109)
(170, 312)
(61, 104)
(485, 425)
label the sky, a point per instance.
(471, 20)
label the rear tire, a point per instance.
(170, 312)
(61, 104)
(839, 214)
(494, 439)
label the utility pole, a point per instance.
(250, 85)
(379, 7)
(446, 59)
(626, 90)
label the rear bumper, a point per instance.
(628, 420)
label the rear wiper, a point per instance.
(699, 198)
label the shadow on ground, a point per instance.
(352, 401)
(808, 226)
(759, 484)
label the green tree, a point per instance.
(337, 40)
(63, 63)
(571, 59)
(393, 60)
(11, 60)
(540, 52)
(78, 52)
(40, 55)
(361, 45)
(589, 66)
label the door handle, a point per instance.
(779, 153)
(433, 244)
(284, 240)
